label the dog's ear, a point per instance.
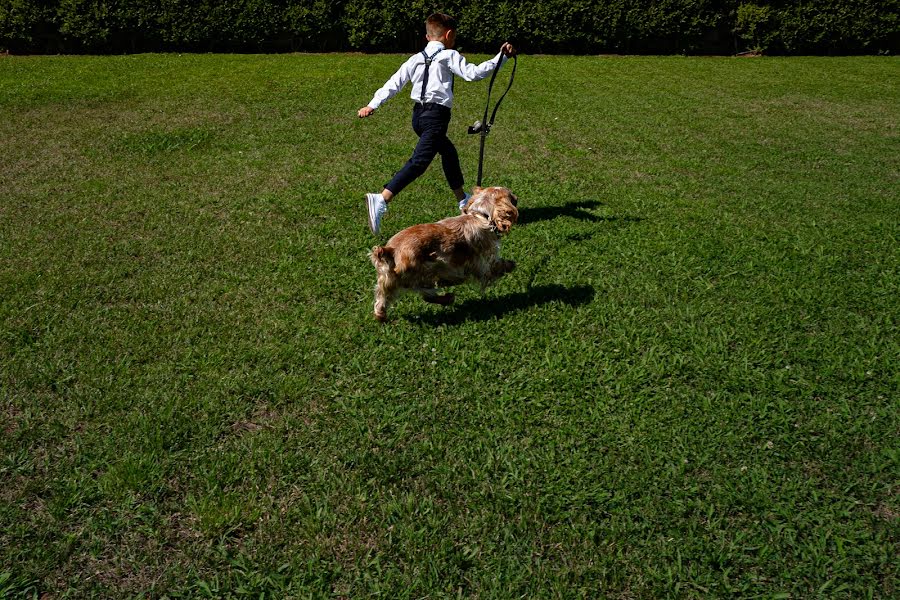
(506, 220)
(477, 190)
(505, 214)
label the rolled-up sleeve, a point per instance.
(470, 72)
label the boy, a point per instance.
(431, 73)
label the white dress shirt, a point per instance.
(445, 65)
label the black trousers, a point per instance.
(430, 122)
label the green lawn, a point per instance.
(690, 387)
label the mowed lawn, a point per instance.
(690, 387)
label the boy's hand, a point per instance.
(365, 111)
(508, 49)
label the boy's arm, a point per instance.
(461, 67)
(388, 90)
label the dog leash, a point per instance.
(484, 126)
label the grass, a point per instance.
(688, 388)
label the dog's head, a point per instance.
(498, 203)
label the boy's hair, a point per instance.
(437, 24)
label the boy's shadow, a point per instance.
(577, 210)
(479, 309)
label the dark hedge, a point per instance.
(550, 26)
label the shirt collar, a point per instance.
(433, 46)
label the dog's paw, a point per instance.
(443, 300)
(505, 266)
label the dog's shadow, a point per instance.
(580, 210)
(484, 309)
(481, 309)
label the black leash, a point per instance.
(484, 127)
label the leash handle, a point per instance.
(512, 76)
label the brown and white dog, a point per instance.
(456, 250)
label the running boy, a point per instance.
(431, 73)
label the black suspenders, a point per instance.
(428, 61)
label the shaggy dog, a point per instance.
(423, 258)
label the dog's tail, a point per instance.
(383, 259)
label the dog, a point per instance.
(426, 257)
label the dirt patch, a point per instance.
(245, 425)
(886, 512)
(11, 416)
(263, 417)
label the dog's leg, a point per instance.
(431, 295)
(387, 286)
(498, 268)
(386, 291)
(502, 266)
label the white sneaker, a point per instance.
(463, 202)
(377, 207)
